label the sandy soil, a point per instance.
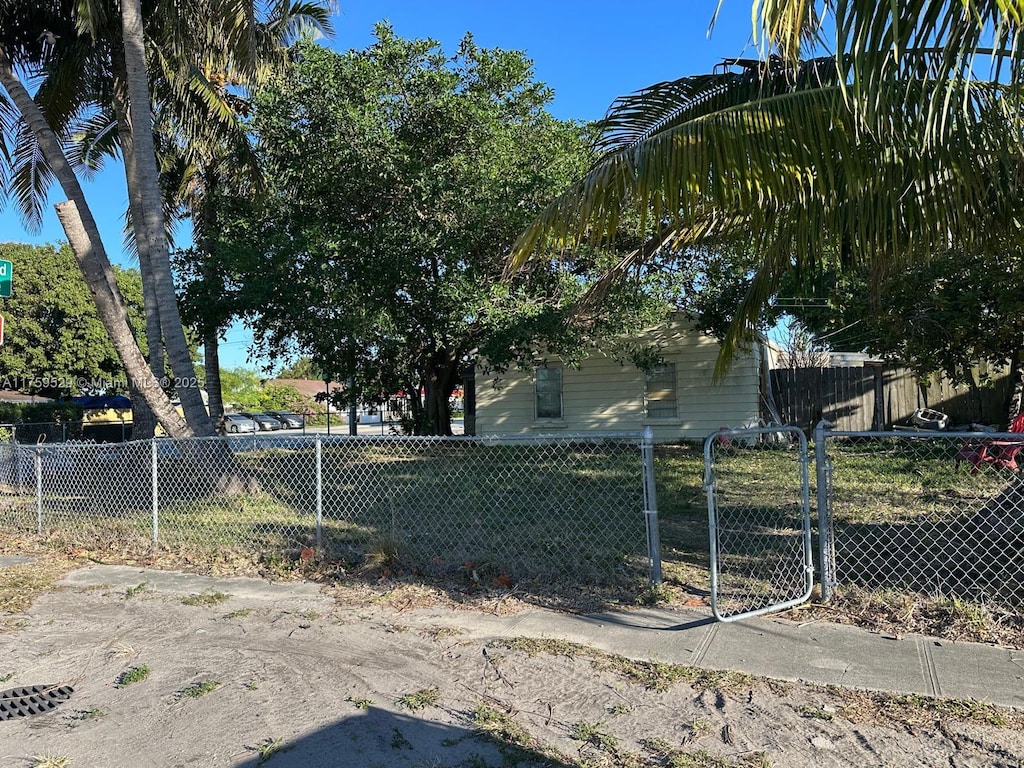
(296, 680)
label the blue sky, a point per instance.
(588, 52)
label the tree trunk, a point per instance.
(440, 383)
(143, 420)
(154, 336)
(211, 354)
(84, 237)
(203, 236)
(1016, 399)
(144, 187)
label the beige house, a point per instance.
(679, 399)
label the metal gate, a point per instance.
(758, 493)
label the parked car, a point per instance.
(266, 423)
(237, 422)
(290, 420)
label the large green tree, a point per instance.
(54, 342)
(401, 176)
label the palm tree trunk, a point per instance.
(211, 352)
(144, 188)
(154, 336)
(84, 237)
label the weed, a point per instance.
(440, 633)
(5, 678)
(381, 554)
(500, 725)
(511, 739)
(196, 690)
(816, 713)
(594, 736)
(268, 747)
(239, 614)
(676, 757)
(50, 761)
(360, 703)
(918, 710)
(82, 715)
(655, 594)
(207, 599)
(536, 646)
(136, 590)
(421, 699)
(398, 740)
(618, 709)
(653, 675)
(132, 675)
(252, 685)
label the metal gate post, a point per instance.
(821, 471)
(39, 491)
(319, 494)
(651, 506)
(154, 464)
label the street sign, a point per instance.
(6, 275)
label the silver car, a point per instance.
(290, 420)
(236, 422)
(265, 423)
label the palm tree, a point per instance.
(187, 42)
(782, 154)
(83, 234)
(225, 163)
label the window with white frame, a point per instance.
(660, 392)
(548, 389)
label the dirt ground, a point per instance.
(167, 675)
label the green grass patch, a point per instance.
(206, 599)
(421, 699)
(197, 690)
(132, 675)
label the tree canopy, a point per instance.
(54, 342)
(400, 177)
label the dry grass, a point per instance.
(21, 584)
(898, 613)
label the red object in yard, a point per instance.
(997, 453)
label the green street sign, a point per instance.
(6, 273)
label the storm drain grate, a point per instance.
(22, 702)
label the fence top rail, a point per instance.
(272, 440)
(541, 438)
(925, 433)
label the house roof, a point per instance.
(308, 387)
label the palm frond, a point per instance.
(786, 160)
(94, 140)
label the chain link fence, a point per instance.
(937, 514)
(579, 507)
(33, 432)
(915, 516)
(756, 481)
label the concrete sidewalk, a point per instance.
(815, 652)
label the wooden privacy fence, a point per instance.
(880, 397)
